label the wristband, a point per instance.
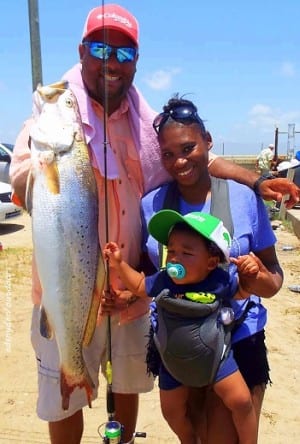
(259, 181)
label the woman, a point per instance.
(184, 144)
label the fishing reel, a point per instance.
(111, 433)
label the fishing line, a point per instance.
(110, 405)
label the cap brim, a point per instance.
(211, 227)
(115, 28)
(161, 223)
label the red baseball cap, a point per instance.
(113, 17)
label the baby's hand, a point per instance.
(247, 265)
(112, 252)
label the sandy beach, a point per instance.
(280, 421)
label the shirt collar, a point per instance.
(123, 108)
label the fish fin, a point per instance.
(93, 313)
(45, 328)
(52, 176)
(68, 383)
(61, 84)
(28, 192)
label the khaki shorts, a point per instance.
(128, 343)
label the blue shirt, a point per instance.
(252, 232)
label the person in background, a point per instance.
(264, 160)
(103, 84)
(184, 144)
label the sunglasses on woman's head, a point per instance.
(103, 51)
(180, 113)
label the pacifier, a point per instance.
(176, 271)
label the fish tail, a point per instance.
(68, 383)
(16, 200)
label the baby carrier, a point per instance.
(189, 337)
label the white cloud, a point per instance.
(265, 118)
(287, 69)
(161, 79)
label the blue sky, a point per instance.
(237, 60)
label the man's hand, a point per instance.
(275, 189)
(113, 301)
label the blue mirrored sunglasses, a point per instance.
(103, 51)
(180, 113)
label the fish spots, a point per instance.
(65, 231)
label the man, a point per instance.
(102, 82)
(264, 160)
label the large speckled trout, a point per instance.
(62, 199)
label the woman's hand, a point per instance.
(258, 274)
(248, 265)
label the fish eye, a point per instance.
(69, 103)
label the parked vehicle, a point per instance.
(8, 209)
(5, 159)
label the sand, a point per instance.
(280, 421)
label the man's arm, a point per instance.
(273, 189)
(225, 169)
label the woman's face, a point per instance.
(184, 152)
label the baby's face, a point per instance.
(189, 249)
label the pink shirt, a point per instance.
(124, 194)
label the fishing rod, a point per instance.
(111, 431)
(110, 404)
